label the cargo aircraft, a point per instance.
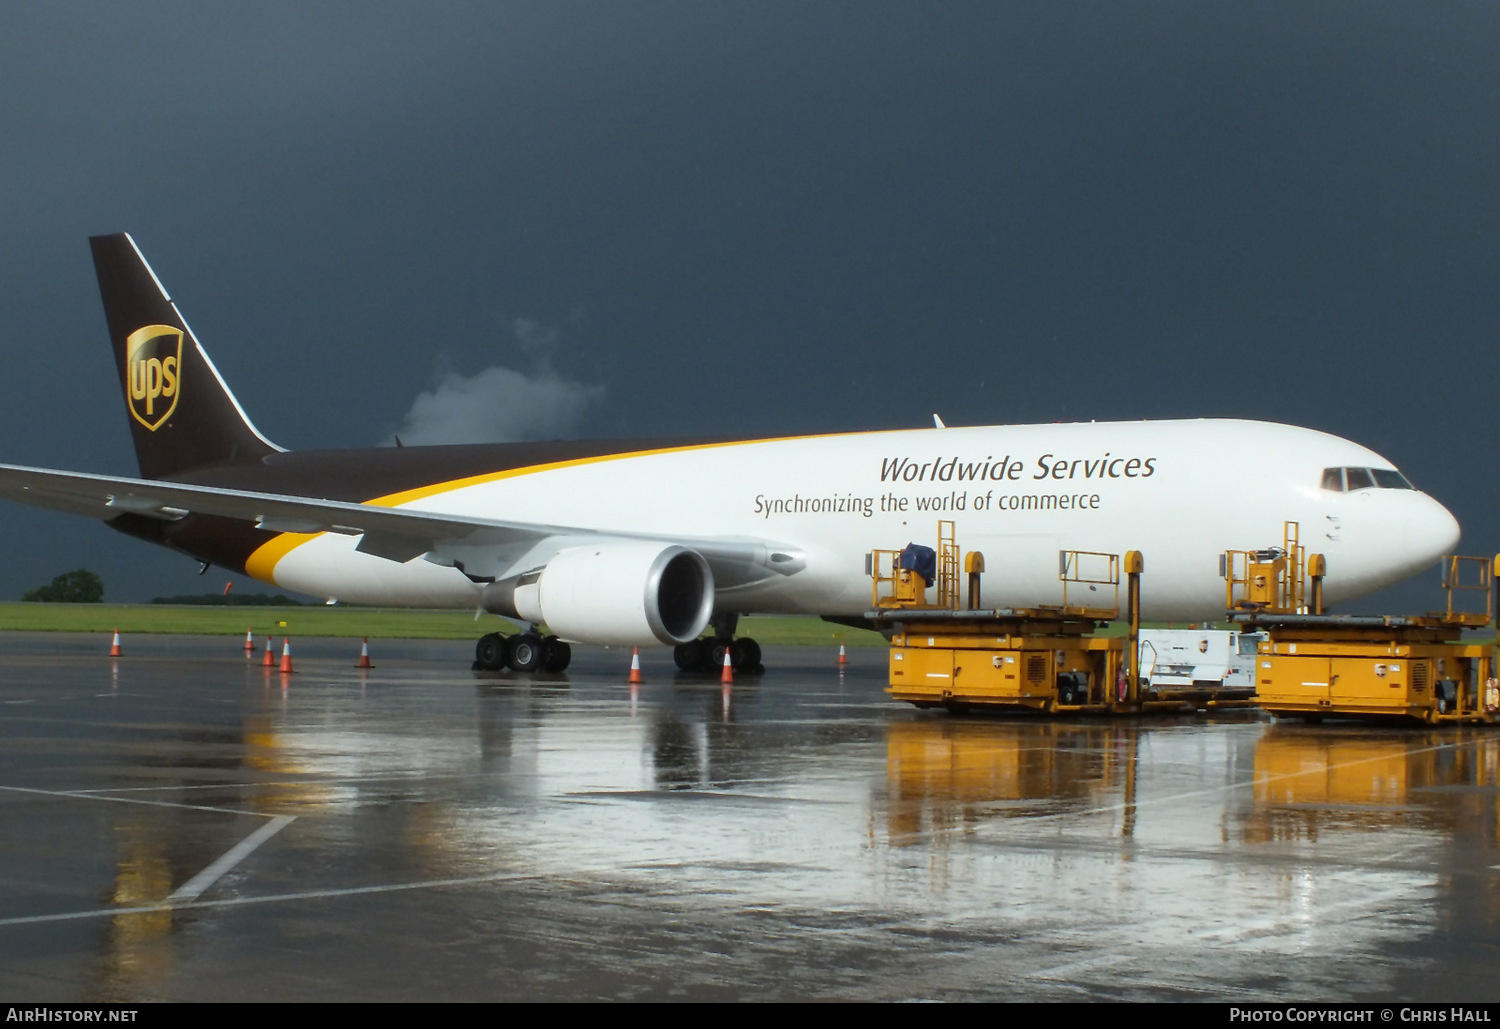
(656, 541)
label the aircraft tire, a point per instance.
(744, 654)
(491, 652)
(526, 653)
(689, 656)
(713, 654)
(556, 655)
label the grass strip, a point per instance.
(343, 621)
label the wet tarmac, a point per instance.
(181, 824)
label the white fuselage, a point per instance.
(1180, 492)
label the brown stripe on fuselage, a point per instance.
(356, 476)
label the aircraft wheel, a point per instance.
(491, 652)
(689, 655)
(714, 655)
(555, 654)
(744, 654)
(525, 653)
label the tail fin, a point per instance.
(182, 415)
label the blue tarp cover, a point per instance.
(920, 559)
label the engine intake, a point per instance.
(614, 591)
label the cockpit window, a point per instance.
(1341, 480)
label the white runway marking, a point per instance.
(276, 898)
(330, 781)
(195, 886)
(1069, 971)
(81, 795)
(1285, 925)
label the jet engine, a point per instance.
(613, 591)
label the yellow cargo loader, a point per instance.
(1043, 659)
(1314, 665)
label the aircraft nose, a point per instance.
(1433, 530)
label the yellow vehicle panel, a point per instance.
(1374, 685)
(1300, 682)
(987, 673)
(921, 672)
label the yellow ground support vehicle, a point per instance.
(1314, 665)
(1041, 659)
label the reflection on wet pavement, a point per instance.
(182, 824)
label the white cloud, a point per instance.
(499, 404)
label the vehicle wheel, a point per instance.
(555, 654)
(714, 654)
(491, 652)
(689, 655)
(744, 654)
(525, 653)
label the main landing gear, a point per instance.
(526, 652)
(707, 654)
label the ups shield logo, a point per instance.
(153, 368)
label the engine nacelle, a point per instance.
(614, 591)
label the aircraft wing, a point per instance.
(396, 534)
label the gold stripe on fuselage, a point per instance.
(262, 563)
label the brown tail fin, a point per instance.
(182, 415)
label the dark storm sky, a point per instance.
(600, 218)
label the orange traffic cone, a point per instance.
(843, 660)
(114, 648)
(364, 655)
(727, 676)
(635, 667)
(269, 661)
(286, 656)
(249, 642)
